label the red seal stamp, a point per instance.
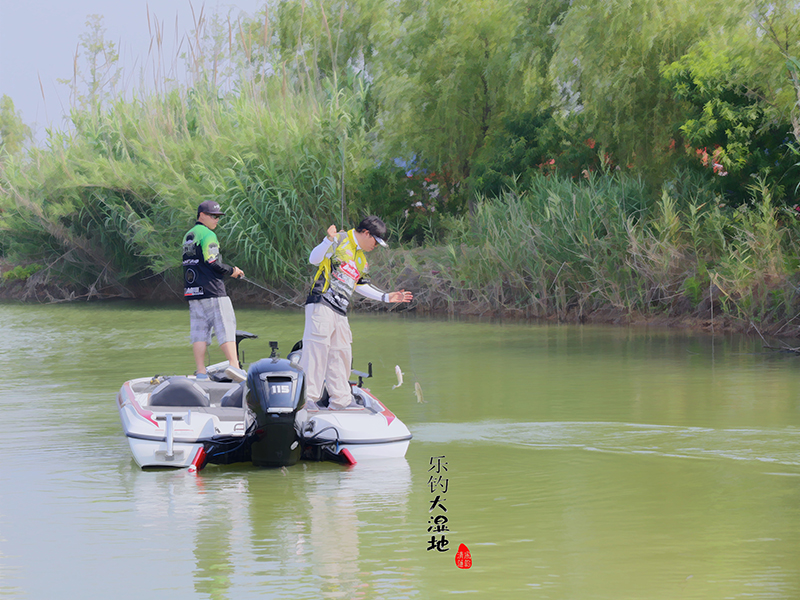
(463, 557)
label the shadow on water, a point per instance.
(316, 529)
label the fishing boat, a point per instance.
(183, 421)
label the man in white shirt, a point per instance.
(343, 269)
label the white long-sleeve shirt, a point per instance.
(367, 290)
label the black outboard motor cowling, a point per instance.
(276, 390)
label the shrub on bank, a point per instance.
(21, 272)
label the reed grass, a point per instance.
(566, 248)
(117, 194)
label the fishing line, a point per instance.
(273, 292)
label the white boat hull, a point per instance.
(175, 421)
(172, 436)
(148, 453)
(377, 451)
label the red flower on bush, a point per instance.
(714, 161)
(547, 166)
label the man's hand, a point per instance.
(401, 296)
(237, 273)
(332, 232)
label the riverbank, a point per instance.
(704, 317)
(598, 250)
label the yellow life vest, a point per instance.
(343, 252)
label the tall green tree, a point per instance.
(443, 77)
(606, 67)
(779, 20)
(327, 39)
(96, 75)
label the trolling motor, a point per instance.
(243, 335)
(361, 375)
(276, 391)
(216, 372)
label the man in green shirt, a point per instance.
(204, 288)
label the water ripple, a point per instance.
(778, 446)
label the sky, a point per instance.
(39, 38)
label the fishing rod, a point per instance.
(344, 140)
(266, 289)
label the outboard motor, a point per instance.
(276, 390)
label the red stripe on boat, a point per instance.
(145, 414)
(389, 415)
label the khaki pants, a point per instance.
(327, 354)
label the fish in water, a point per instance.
(418, 392)
(399, 374)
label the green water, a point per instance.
(582, 462)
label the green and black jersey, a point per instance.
(203, 269)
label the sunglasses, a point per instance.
(377, 239)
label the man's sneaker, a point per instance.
(201, 375)
(235, 374)
(311, 405)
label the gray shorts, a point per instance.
(215, 314)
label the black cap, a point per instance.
(375, 227)
(210, 208)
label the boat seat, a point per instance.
(179, 391)
(234, 396)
